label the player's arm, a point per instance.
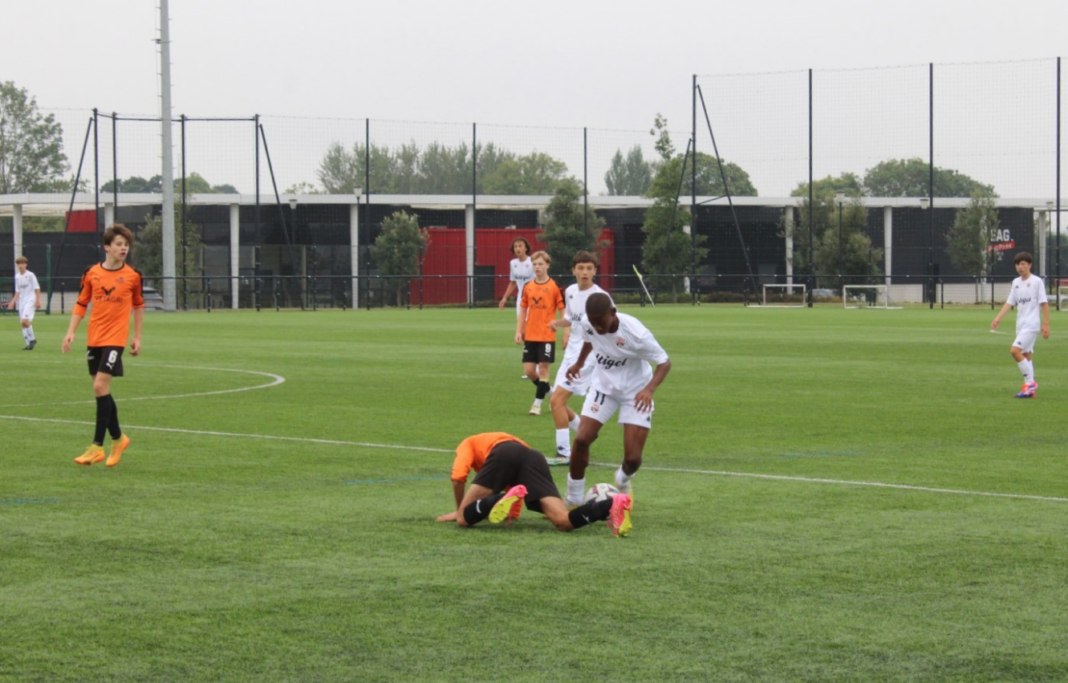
(574, 370)
(37, 298)
(1045, 321)
(14, 301)
(75, 320)
(139, 319)
(1001, 314)
(643, 400)
(507, 293)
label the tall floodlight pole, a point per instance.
(169, 290)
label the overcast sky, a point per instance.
(597, 63)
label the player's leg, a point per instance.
(561, 418)
(27, 323)
(634, 437)
(476, 505)
(597, 409)
(1022, 351)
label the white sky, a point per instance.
(610, 64)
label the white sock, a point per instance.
(573, 425)
(622, 478)
(29, 333)
(537, 402)
(26, 334)
(575, 489)
(563, 442)
(1027, 369)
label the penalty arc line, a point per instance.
(716, 473)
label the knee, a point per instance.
(557, 401)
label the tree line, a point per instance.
(32, 160)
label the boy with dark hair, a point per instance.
(533, 330)
(1028, 294)
(114, 288)
(623, 380)
(511, 473)
(584, 268)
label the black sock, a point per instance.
(588, 513)
(113, 424)
(543, 389)
(104, 409)
(480, 509)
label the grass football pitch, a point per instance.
(827, 495)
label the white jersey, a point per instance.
(1028, 296)
(521, 273)
(575, 311)
(26, 287)
(622, 357)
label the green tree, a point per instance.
(303, 187)
(564, 232)
(147, 252)
(668, 252)
(822, 216)
(629, 176)
(911, 177)
(31, 145)
(534, 173)
(968, 241)
(842, 253)
(399, 250)
(342, 171)
(710, 181)
(153, 185)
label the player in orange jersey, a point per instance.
(511, 473)
(114, 288)
(541, 301)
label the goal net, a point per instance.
(866, 296)
(784, 296)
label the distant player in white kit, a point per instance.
(520, 272)
(623, 380)
(27, 299)
(584, 268)
(1028, 294)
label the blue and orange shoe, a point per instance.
(1028, 390)
(508, 508)
(619, 515)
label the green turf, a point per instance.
(230, 545)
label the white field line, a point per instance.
(275, 381)
(714, 473)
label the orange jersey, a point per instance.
(113, 293)
(472, 452)
(541, 302)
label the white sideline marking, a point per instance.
(716, 473)
(876, 484)
(275, 381)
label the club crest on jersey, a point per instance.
(620, 342)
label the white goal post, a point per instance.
(867, 296)
(784, 296)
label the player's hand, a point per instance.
(38, 305)
(450, 517)
(519, 339)
(574, 372)
(1045, 331)
(67, 342)
(501, 305)
(644, 400)
(135, 346)
(11, 305)
(994, 325)
(553, 326)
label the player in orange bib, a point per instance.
(114, 288)
(541, 301)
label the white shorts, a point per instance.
(1025, 340)
(578, 386)
(601, 407)
(27, 312)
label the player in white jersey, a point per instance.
(520, 272)
(1028, 295)
(584, 268)
(622, 349)
(27, 299)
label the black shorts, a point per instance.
(106, 359)
(511, 463)
(539, 352)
